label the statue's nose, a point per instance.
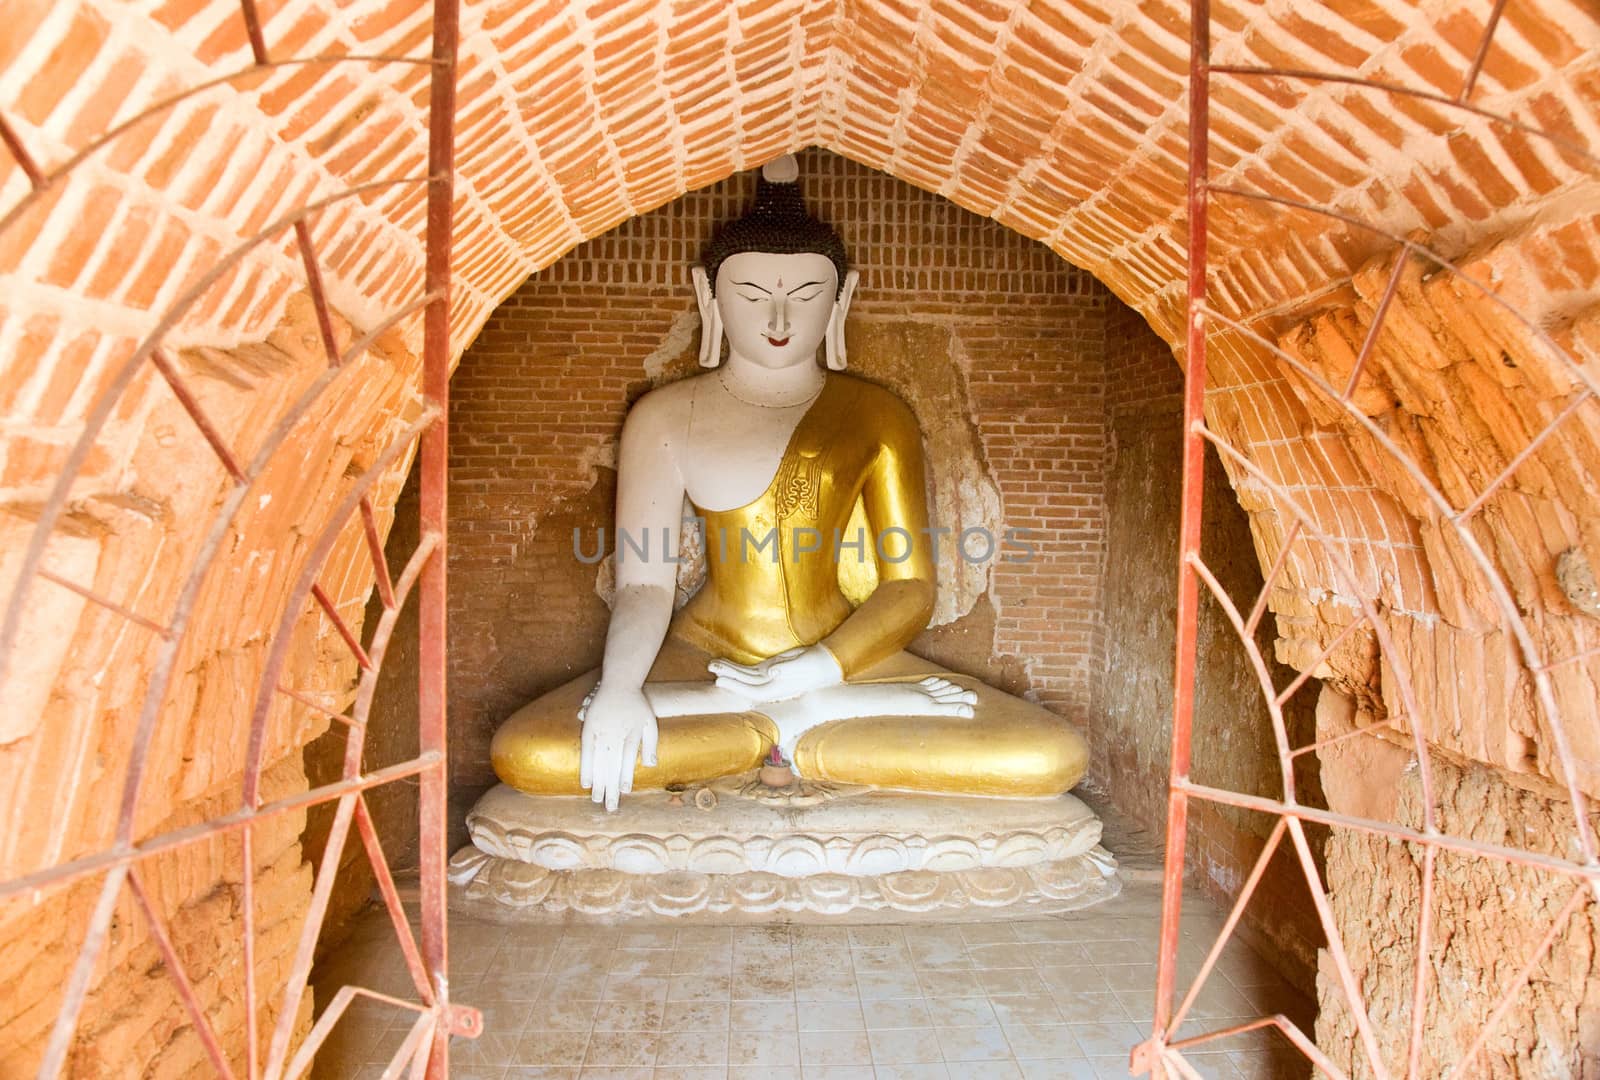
(778, 318)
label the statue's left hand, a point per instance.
(777, 678)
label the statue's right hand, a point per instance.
(618, 728)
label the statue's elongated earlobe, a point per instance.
(710, 319)
(833, 341)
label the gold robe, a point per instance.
(773, 582)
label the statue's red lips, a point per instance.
(777, 342)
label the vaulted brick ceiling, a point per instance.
(1065, 120)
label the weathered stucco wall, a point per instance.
(1233, 745)
(1490, 918)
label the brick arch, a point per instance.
(1064, 121)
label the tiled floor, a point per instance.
(1054, 998)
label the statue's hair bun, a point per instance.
(777, 222)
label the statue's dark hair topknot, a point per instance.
(776, 222)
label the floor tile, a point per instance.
(1042, 999)
(1042, 1041)
(1025, 1009)
(628, 1016)
(540, 1047)
(762, 1016)
(895, 1013)
(974, 1044)
(924, 1071)
(634, 1049)
(835, 1048)
(703, 1048)
(1108, 1038)
(694, 1016)
(764, 1072)
(904, 1046)
(763, 1048)
(961, 1012)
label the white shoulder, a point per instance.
(664, 410)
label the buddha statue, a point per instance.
(798, 473)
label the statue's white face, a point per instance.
(775, 308)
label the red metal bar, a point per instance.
(95, 598)
(1493, 1021)
(1260, 607)
(1194, 389)
(1419, 976)
(191, 1000)
(1303, 677)
(252, 27)
(431, 678)
(95, 421)
(1582, 398)
(1370, 344)
(1366, 729)
(1286, 1027)
(55, 1051)
(191, 405)
(1471, 81)
(56, 175)
(364, 342)
(65, 873)
(1251, 71)
(339, 624)
(320, 710)
(1391, 831)
(24, 160)
(1336, 950)
(1280, 733)
(380, 565)
(1234, 913)
(391, 900)
(319, 295)
(1573, 659)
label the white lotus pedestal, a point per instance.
(737, 849)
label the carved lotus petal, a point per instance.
(993, 886)
(554, 851)
(465, 864)
(830, 894)
(797, 856)
(639, 855)
(877, 855)
(597, 892)
(719, 855)
(676, 893)
(524, 883)
(758, 892)
(952, 853)
(1019, 849)
(915, 890)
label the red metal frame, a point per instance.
(426, 1047)
(1164, 1051)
